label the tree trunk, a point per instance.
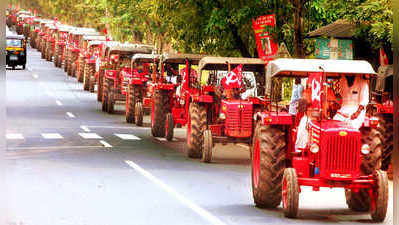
(298, 6)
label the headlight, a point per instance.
(222, 116)
(365, 149)
(314, 148)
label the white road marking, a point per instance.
(70, 115)
(13, 136)
(164, 139)
(58, 102)
(105, 144)
(85, 128)
(52, 136)
(244, 146)
(90, 136)
(127, 137)
(197, 209)
(53, 147)
(35, 75)
(111, 127)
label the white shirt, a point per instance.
(295, 96)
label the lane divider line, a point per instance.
(58, 102)
(85, 128)
(52, 136)
(105, 144)
(12, 136)
(127, 137)
(35, 75)
(70, 115)
(90, 136)
(197, 209)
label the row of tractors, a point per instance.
(185, 90)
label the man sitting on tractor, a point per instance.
(355, 97)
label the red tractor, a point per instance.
(74, 46)
(103, 63)
(138, 99)
(35, 29)
(84, 54)
(60, 43)
(94, 50)
(224, 114)
(383, 109)
(337, 154)
(116, 80)
(172, 93)
(41, 34)
(50, 42)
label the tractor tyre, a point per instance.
(138, 114)
(91, 71)
(169, 126)
(360, 201)
(268, 165)
(130, 104)
(207, 147)
(100, 82)
(105, 96)
(86, 78)
(195, 131)
(386, 130)
(110, 99)
(380, 205)
(81, 70)
(158, 115)
(55, 61)
(66, 59)
(290, 193)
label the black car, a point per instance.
(16, 51)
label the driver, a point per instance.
(355, 98)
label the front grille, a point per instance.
(239, 120)
(340, 155)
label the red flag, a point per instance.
(184, 73)
(383, 58)
(315, 82)
(233, 79)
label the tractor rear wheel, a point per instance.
(130, 104)
(66, 59)
(207, 147)
(81, 70)
(110, 99)
(268, 165)
(158, 115)
(386, 130)
(105, 96)
(169, 126)
(360, 201)
(90, 73)
(138, 114)
(86, 77)
(290, 193)
(379, 205)
(55, 61)
(196, 127)
(100, 81)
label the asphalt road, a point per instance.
(71, 164)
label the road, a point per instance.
(68, 163)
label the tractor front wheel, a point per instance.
(290, 193)
(138, 114)
(100, 82)
(379, 204)
(268, 165)
(110, 99)
(169, 127)
(90, 73)
(104, 99)
(207, 147)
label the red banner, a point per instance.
(315, 82)
(267, 48)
